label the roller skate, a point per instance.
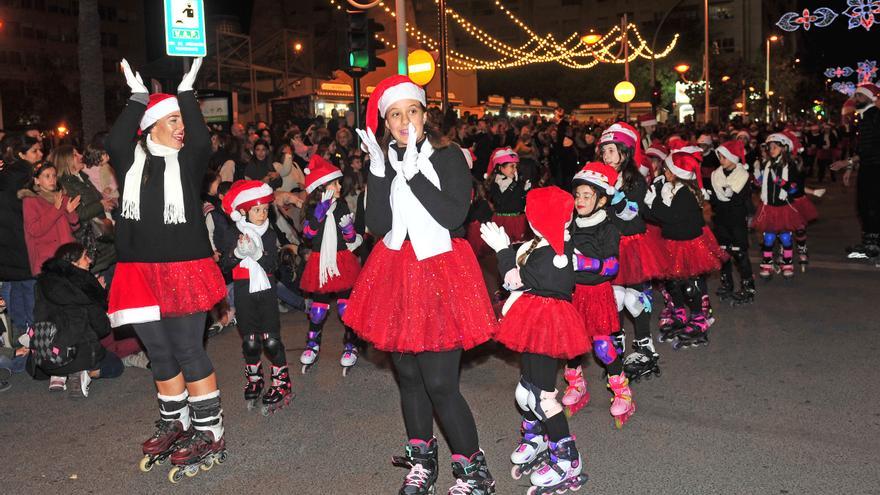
(725, 292)
(788, 271)
(696, 333)
(746, 294)
(766, 271)
(200, 451)
(706, 308)
(164, 441)
(622, 405)
(643, 362)
(531, 451)
(619, 339)
(310, 356)
(421, 459)
(350, 351)
(280, 393)
(472, 476)
(677, 323)
(576, 394)
(562, 473)
(803, 257)
(254, 388)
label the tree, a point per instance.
(91, 72)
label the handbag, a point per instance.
(44, 348)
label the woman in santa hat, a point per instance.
(539, 321)
(690, 245)
(780, 178)
(166, 280)
(332, 268)
(421, 294)
(507, 192)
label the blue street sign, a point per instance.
(185, 28)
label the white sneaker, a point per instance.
(137, 360)
(79, 384)
(57, 384)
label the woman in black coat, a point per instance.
(69, 296)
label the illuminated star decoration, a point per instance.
(862, 13)
(846, 88)
(838, 72)
(867, 71)
(820, 17)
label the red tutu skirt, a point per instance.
(694, 257)
(143, 292)
(401, 304)
(777, 219)
(516, 226)
(544, 325)
(473, 237)
(641, 258)
(349, 268)
(597, 307)
(806, 208)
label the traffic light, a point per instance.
(362, 44)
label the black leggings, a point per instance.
(175, 345)
(429, 384)
(540, 371)
(349, 336)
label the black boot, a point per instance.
(746, 294)
(421, 459)
(725, 291)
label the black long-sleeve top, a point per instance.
(269, 261)
(795, 180)
(868, 148)
(634, 191)
(600, 241)
(682, 220)
(511, 201)
(149, 239)
(448, 205)
(480, 211)
(735, 211)
(313, 230)
(540, 277)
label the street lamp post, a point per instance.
(767, 80)
(706, 55)
(654, 42)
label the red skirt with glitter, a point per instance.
(778, 219)
(349, 269)
(641, 258)
(546, 326)
(143, 292)
(806, 208)
(477, 243)
(516, 226)
(401, 304)
(597, 307)
(694, 257)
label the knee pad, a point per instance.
(550, 405)
(769, 238)
(604, 349)
(785, 238)
(619, 296)
(691, 290)
(636, 302)
(272, 345)
(530, 397)
(738, 254)
(341, 306)
(318, 312)
(251, 345)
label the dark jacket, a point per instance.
(540, 277)
(734, 211)
(512, 201)
(269, 260)
(794, 183)
(313, 229)
(682, 220)
(600, 241)
(14, 263)
(90, 205)
(868, 148)
(75, 302)
(634, 191)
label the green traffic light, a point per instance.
(359, 59)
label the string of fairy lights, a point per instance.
(573, 52)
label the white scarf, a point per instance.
(668, 192)
(594, 219)
(328, 268)
(725, 186)
(503, 182)
(173, 211)
(783, 195)
(409, 216)
(258, 280)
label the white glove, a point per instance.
(512, 280)
(527, 185)
(371, 146)
(494, 236)
(650, 196)
(328, 195)
(186, 84)
(247, 249)
(133, 79)
(819, 192)
(411, 155)
(346, 220)
(358, 240)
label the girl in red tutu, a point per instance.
(692, 249)
(540, 322)
(507, 193)
(596, 242)
(641, 255)
(332, 268)
(777, 217)
(421, 295)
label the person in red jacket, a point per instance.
(49, 216)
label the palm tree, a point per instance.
(91, 71)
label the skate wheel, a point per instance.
(175, 475)
(532, 490)
(207, 464)
(221, 457)
(145, 465)
(515, 472)
(265, 411)
(191, 470)
(305, 369)
(250, 406)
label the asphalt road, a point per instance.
(780, 402)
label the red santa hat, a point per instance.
(320, 172)
(160, 105)
(647, 119)
(598, 174)
(733, 150)
(684, 162)
(501, 156)
(549, 211)
(390, 90)
(870, 90)
(657, 150)
(645, 165)
(469, 157)
(244, 195)
(785, 138)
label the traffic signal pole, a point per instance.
(444, 42)
(400, 6)
(356, 87)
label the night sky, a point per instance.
(836, 45)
